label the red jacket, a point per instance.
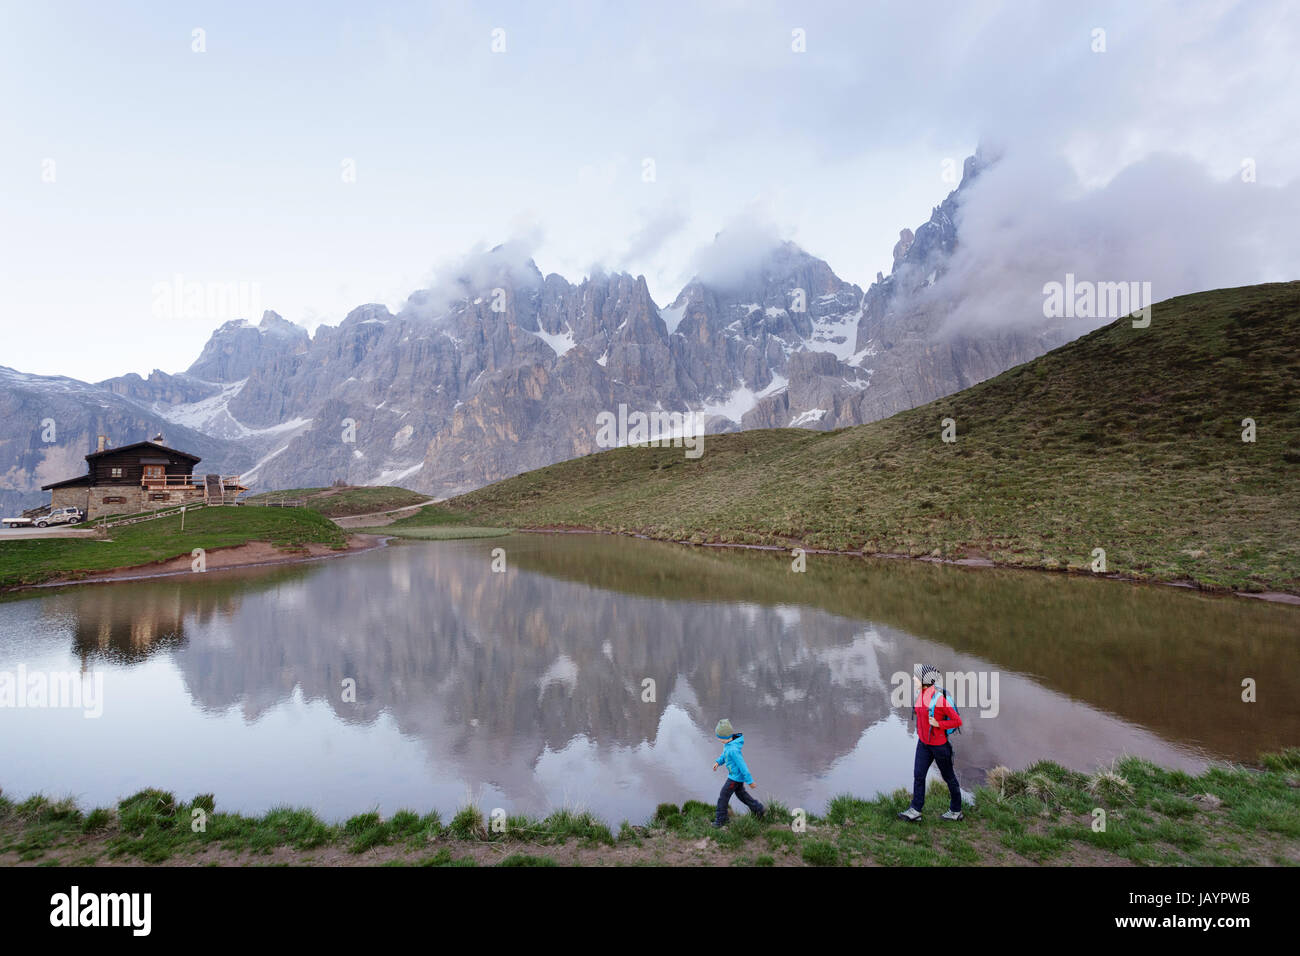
(943, 713)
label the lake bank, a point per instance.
(532, 677)
(254, 554)
(1273, 597)
(1131, 813)
(168, 545)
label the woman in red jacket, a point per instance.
(932, 744)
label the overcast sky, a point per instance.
(130, 159)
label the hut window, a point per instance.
(116, 472)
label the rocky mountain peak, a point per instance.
(237, 347)
(494, 368)
(500, 268)
(274, 324)
(770, 280)
(371, 312)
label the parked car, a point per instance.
(16, 522)
(61, 516)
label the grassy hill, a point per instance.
(347, 501)
(1129, 440)
(35, 560)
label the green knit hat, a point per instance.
(724, 729)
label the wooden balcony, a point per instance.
(229, 483)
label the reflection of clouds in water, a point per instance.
(788, 614)
(750, 612)
(220, 634)
(563, 671)
(527, 687)
(665, 769)
(292, 596)
(683, 695)
(533, 683)
(856, 662)
(885, 745)
(400, 577)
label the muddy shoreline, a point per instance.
(1275, 597)
(261, 554)
(252, 554)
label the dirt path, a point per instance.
(377, 519)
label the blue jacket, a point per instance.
(736, 769)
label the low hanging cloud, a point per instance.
(481, 269)
(653, 236)
(1164, 220)
(737, 251)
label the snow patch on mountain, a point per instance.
(836, 334)
(808, 417)
(866, 353)
(394, 475)
(58, 383)
(559, 342)
(212, 416)
(735, 405)
(250, 475)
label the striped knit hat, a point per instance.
(926, 674)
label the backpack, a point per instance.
(940, 692)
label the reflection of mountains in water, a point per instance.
(1164, 658)
(491, 670)
(446, 646)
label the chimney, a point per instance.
(102, 440)
(158, 438)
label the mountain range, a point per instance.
(503, 369)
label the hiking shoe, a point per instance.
(954, 815)
(911, 815)
(717, 826)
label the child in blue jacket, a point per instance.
(737, 773)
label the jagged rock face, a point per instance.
(237, 348)
(741, 336)
(901, 336)
(905, 237)
(503, 369)
(160, 387)
(512, 373)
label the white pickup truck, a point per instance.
(57, 516)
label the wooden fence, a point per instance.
(151, 516)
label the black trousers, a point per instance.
(942, 755)
(735, 787)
